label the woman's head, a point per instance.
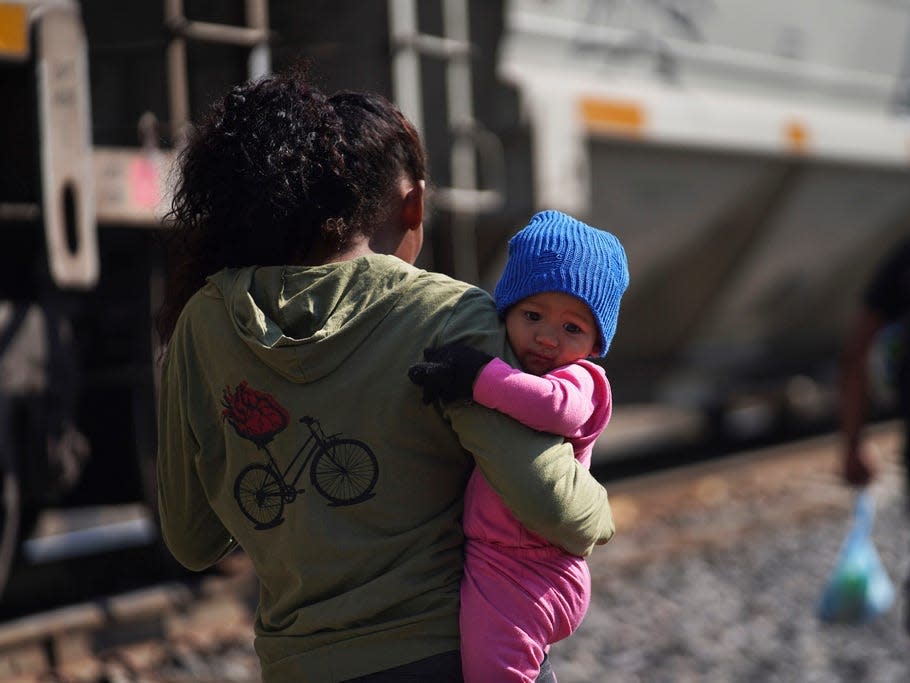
(278, 171)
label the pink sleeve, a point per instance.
(561, 402)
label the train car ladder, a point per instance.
(470, 141)
(255, 35)
(49, 37)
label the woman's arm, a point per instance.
(189, 526)
(561, 402)
(538, 478)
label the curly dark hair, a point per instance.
(275, 169)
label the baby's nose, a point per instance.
(547, 339)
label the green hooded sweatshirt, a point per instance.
(288, 425)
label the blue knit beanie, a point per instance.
(558, 253)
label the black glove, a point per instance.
(449, 372)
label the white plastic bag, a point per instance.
(858, 588)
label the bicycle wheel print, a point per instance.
(345, 472)
(260, 496)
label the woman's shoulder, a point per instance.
(428, 285)
(457, 311)
(200, 313)
(464, 300)
(206, 300)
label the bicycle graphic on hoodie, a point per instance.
(343, 471)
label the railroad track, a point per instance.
(200, 629)
(197, 630)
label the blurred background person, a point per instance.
(885, 305)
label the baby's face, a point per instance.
(549, 330)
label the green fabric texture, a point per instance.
(357, 573)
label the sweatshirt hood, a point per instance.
(304, 321)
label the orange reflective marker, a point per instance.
(796, 135)
(13, 31)
(615, 117)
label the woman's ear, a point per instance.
(412, 205)
(403, 237)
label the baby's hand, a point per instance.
(435, 378)
(448, 372)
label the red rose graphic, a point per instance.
(254, 415)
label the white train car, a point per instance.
(752, 157)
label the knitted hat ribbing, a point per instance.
(558, 253)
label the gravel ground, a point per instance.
(720, 591)
(711, 579)
(743, 610)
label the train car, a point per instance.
(753, 158)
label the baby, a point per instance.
(559, 295)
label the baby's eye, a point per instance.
(532, 315)
(572, 328)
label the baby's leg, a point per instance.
(500, 628)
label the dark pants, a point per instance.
(444, 668)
